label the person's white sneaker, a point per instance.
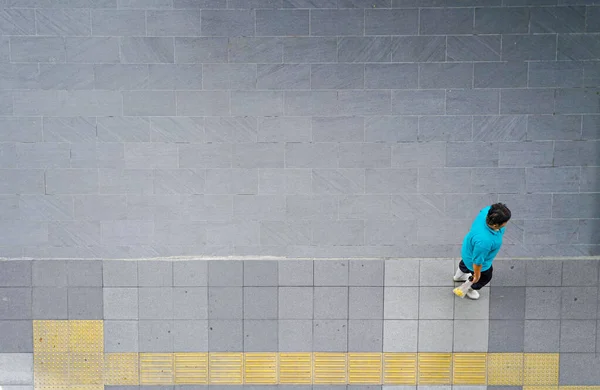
(473, 294)
(460, 276)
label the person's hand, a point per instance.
(475, 278)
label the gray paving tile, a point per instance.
(578, 336)
(507, 303)
(542, 303)
(451, 128)
(225, 335)
(295, 335)
(201, 50)
(579, 303)
(512, 74)
(37, 49)
(261, 273)
(331, 273)
(85, 303)
(121, 303)
(532, 101)
(16, 303)
(436, 273)
(400, 336)
(118, 22)
(542, 336)
(296, 273)
(283, 76)
(282, 22)
(365, 335)
(391, 22)
(49, 303)
(228, 23)
(366, 273)
(103, 50)
(146, 50)
(363, 49)
(331, 302)
(506, 336)
(261, 335)
(580, 368)
(49, 274)
(190, 303)
(557, 20)
(295, 303)
(446, 75)
(255, 50)
(401, 303)
(155, 273)
(575, 203)
(471, 335)
(474, 48)
(543, 273)
(156, 336)
(260, 303)
(173, 23)
(225, 303)
(576, 101)
(466, 309)
(476, 102)
(310, 50)
(505, 20)
(15, 273)
(446, 21)
(418, 102)
(121, 336)
(16, 336)
(366, 303)
(435, 303)
(190, 335)
(576, 153)
(436, 335)
(418, 49)
(84, 273)
(330, 336)
(340, 22)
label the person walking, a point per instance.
(480, 247)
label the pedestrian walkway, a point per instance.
(86, 324)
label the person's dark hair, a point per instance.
(498, 214)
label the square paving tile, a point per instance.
(260, 303)
(153, 273)
(366, 272)
(402, 272)
(330, 335)
(156, 335)
(192, 273)
(225, 336)
(331, 303)
(121, 303)
(15, 303)
(509, 273)
(468, 309)
(49, 273)
(401, 303)
(16, 273)
(296, 273)
(578, 336)
(121, 336)
(16, 336)
(400, 335)
(224, 273)
(471, 335)
(436, 335)
(331, 273)
(16, 369)
(225, 303)
(507, 303)
(261, 273)
(82, 273)
(580, 273)
(542, 303)
(542, 336)
(579, 369)
(190, 335)
(50, 303)
(579, 303)
(85, 303)
(156, 303)
(295, 303)
(436, 272)
(295, 335)
(116, 273)
(544, 273)
(261, 335)
(190, 303)
(366, 303)
(436, 303)
(365, 336)
(506, 336)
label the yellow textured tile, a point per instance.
(260, 368)
(86, 369)
(191, 368)
(295, 368)
(226, 368)
(400, 368)
(540, 388)
(121, 369)
(86, 336)
(364, 368)
(469, 369)
(51, 369)
(541, 369)
(156, 368)
(50, 336)
(505, 369)
(329, 368)
(435, 368)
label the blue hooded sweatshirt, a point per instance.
(482, 243)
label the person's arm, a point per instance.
(479, 254)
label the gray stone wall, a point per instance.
(143, 128)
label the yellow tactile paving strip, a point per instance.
(70, 355)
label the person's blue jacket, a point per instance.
(482, 243)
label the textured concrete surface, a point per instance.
(300, 128)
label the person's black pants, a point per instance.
(485, 278)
